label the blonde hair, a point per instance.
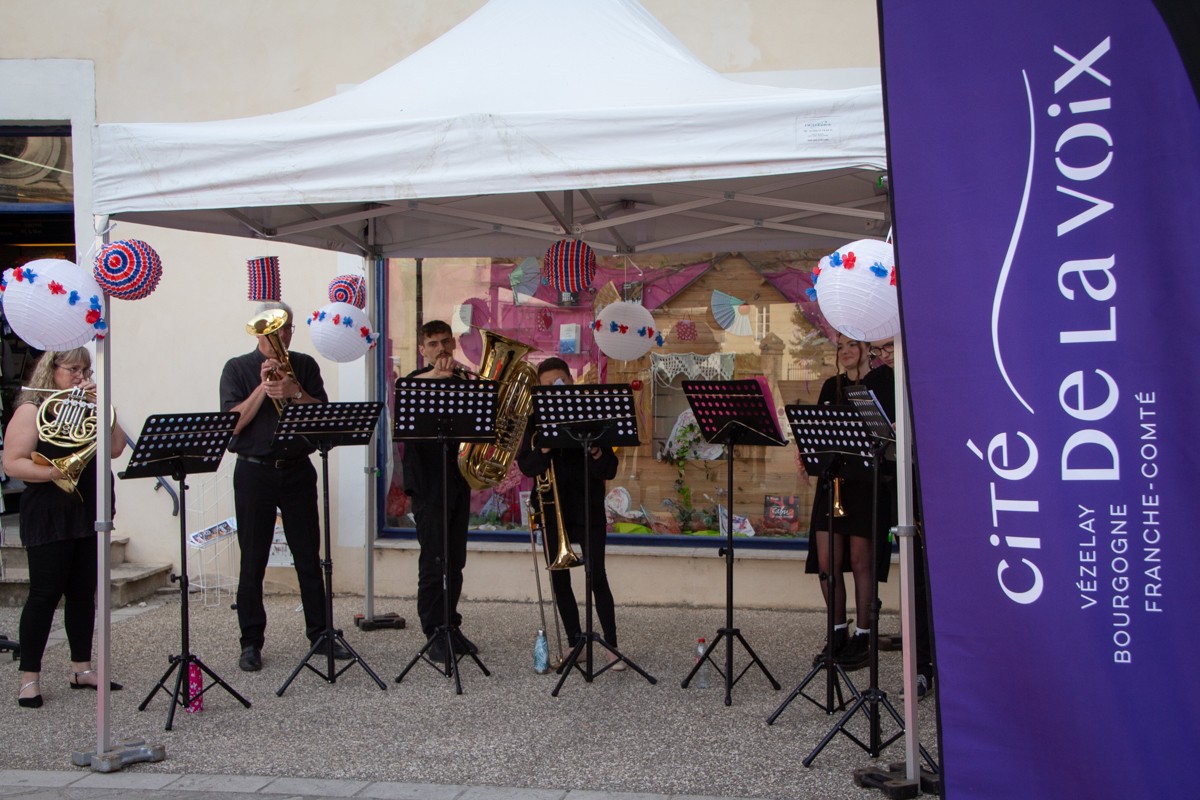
(42, 376)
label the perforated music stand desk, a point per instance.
(444, 410)
(180, 445)
(731, 413)
(587, 416)
(326, 426)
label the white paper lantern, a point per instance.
(340, 332)
(53, 304)
(625, 330)
(856, 290)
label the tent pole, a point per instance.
(905, 528)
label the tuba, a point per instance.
(485, 464)
(268, 324)
(67, 418)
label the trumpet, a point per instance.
(67, 418)
(268, 324)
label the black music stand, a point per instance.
(876, 423)
(180, 445)
(587, 416)
(445, 410)
(833, 442)
(731, 413)
(325, 426)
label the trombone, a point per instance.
(546, 489)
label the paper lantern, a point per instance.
(350, 289)
(340, 332)
(855, 286)
(53, 304)
(128, 269)
(569, 265)
(625, 330)
(265, 285)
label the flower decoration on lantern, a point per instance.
(52, 304)
(127, 270)
(855, 287)
(569, 265)
(350, 289)
(340, 333)
(625, 330)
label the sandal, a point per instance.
(75, 684)
(30, 702)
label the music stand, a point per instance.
(180, 445)
(445, 410)
(731, 413)
(833, 441)
(587, 416)
(876, 423)
(325, 426)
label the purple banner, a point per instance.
(1045, 171)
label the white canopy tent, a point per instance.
(531, 121)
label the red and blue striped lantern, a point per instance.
(350, 289)
(265, 285)
(128, 269)
(569, 265)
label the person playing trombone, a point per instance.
(57, 521)
(571, 470)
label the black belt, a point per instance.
(275, 463)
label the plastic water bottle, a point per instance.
(704, 674)
(541, 654)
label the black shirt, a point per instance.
(422, 462)
(242, 374)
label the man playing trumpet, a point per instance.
(270, 476)
(57, 521)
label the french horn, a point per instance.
(67, 418)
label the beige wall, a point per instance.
(181, 60)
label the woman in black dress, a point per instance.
(57, 527)
(852, 532)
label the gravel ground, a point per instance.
(616, 734)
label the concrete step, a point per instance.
(13, 556)
(130, 583)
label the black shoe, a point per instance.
(437, 649)
(463, 644)
(839, 642)
(339, 651)
(857, 652)
(251, 659)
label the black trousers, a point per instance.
(428, 515)
(564, 596)
(57, 570)
(258, 489)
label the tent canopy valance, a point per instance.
(588, 119)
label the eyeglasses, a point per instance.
(84, 371)
(883, 348)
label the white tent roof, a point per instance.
(530, 120)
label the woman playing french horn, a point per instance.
(57, 525)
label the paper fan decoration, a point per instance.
(525, 279)
(569, 265)
(53, 304)
(625, 331)
(128, 269)
(855, 286)
(340, 332)
(731, 313)
(350, 289)
(265, 285)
